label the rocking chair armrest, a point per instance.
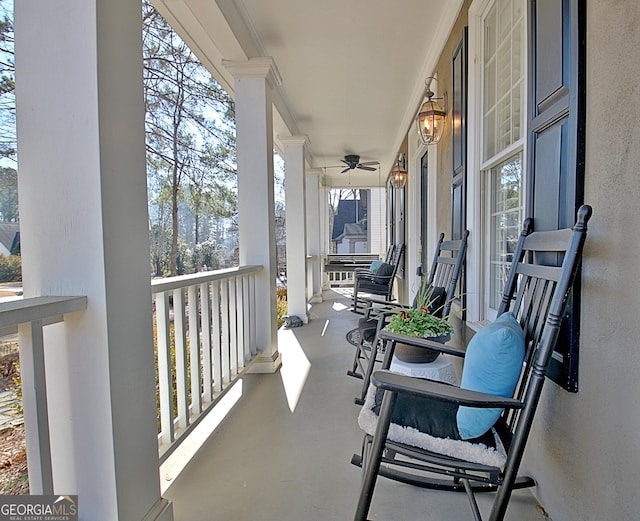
(363, 272)
(380, 279)
(400, 383)
(375, 301)
(375, 308)
(422, 342)
(385, 310)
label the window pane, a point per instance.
(506, 218)
(503, 75)
(490, 35)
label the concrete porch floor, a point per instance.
(284, 451)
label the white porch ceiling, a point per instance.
(352, 70)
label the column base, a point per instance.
(161, 511)
(266, 364)
(316, 298)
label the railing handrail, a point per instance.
(32, 314)
(16, 312)
(182, 281)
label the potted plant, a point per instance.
(421, 321)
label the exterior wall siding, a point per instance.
(585, 463)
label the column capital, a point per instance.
(261, 67)
(301, 140)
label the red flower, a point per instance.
(424, 310)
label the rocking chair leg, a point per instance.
(366, 452)
(472, 500)
(376, 346)
(373, 465)
(356, 361)
(367, 375)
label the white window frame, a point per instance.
(510, 152)
(416, 150)
(478, 312)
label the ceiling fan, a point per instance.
(353, 161)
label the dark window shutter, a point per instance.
(459, 145)
(424, 198)
(556, 144)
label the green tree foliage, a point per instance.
(190, 144)
(10, 268)
(7, 83)
(8, 195)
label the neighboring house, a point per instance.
(349, 232)
(9, 238)
(353, 239)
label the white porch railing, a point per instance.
(339, 278)
(30, 316)
(339, 268)
(205, 333)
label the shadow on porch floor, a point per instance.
(283, 454)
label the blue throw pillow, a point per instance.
(374, 266)
(492, 365)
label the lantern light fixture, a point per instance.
(399, 173)
(431, 116)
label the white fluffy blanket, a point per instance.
(476, 452)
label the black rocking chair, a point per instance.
(443, 276)
(379, 283)
(534, 300)
(388, 259)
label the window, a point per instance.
(505, 220)
(396, 221)
(503, 78)
(502, 146)
(526, 120)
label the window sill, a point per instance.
(477, 325)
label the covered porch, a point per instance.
(316, 81)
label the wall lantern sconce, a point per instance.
(431, 116)
(399, 173)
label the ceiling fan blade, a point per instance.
(371, 169)
(370, 163)
(345, 170)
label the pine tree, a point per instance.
(190, 137)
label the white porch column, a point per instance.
(377, 220)
(325, 230)
(84, 231)
(253, 80)
(314, 241)
(294, 184)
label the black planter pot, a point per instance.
(419, 355)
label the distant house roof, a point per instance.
(9, 236)
(347, 215)
(354, 230)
